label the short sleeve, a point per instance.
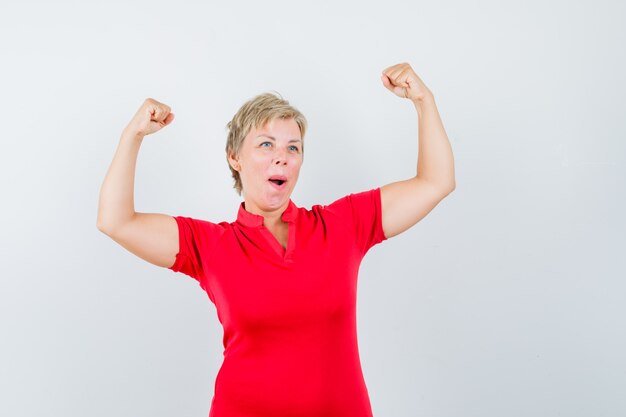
(197, 240)
(363, 211)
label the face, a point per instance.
(269, 163)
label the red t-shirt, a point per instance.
(289, 316)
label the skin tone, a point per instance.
(403, 203)
(406, 202)
(274, 149)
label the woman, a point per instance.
(282, 277)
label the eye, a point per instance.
(269, 143)
(294, 147)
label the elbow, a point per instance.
(109, 223)
(451, 184)
(101, 226)
(447, 188)
(100, 223)
(447, 191)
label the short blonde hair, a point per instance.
(254, 114)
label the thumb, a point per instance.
(397, 90)
(386, 82)
(168, 119)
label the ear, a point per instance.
(233, 161)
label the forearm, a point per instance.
(116, 204)
(435, 161)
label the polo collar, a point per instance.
(248, 219)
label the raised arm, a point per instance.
(151, 236)
(404, 203)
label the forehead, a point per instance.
(279, 128)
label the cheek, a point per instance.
(261, 159)
(258, 162)
(295, 167)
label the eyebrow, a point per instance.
(273, 138)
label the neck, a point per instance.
(271, 218)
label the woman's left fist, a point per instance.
(404, 82)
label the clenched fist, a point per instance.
(401, 80)
(151, 117)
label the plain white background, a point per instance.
(507, 299)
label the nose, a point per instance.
(280, 158)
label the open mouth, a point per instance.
(278, 181)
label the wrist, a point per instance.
(426, 101)
(132, 135)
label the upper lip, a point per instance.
(278, 177)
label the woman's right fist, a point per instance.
(150, 118)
